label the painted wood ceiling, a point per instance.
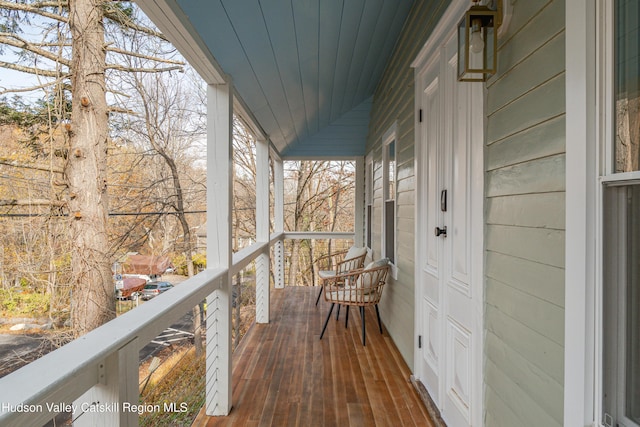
(307, 69)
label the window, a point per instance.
(389, 195)
(621, 227)
(621, 306)
(369, 203)
(627, 86)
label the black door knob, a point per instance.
(441, 231)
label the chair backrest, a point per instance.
(353, 259)
(371, 281)
(329, 261)
(360, 287)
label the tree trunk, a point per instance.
(294, 263)
(188, 251)
(93, 300)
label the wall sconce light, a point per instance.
(478, 42)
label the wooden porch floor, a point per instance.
(284, 375)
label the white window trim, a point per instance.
(589, 70)
(368, 199)
(389, 136)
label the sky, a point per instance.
(15, 79)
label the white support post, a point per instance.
(219, 251)
(358, 221)
(262, 230)
(114, 400)
(278, 185)
(582, 375)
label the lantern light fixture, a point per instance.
(478, 41)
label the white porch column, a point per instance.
(358, 222)
(278, 185)
(262, 230)
(582, 381)
(219, 252)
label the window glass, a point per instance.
(390, 231)
(627, 86)
(369, 219)
(389, 203)
(622, 307)
(391, 169)
(632, 296)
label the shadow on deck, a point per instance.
(284, 375)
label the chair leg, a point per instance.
(319, 294)
(379, 321)
(338, 312)
(327, 320)
(346, 320)
(364, 336)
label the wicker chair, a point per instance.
(339, 263)
(362, 287)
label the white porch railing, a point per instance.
(99, 371)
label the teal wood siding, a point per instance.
(393, 102)
(525, 221)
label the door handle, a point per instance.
(441, 231)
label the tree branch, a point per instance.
(139, 55)
(114, 109)
(31, 202)
(116, 16)
(141, 70)
(31, 70)
(32, 88)
(110, 13)
(38, 168)
(15, 41)
(35, 8)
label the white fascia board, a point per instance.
(241, 109)
(177, 28)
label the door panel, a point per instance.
(432, 270)
(459, 370)
(432, 117)
(431, 345)
(450, 285)
(460, 186)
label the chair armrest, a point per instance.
(357, 287)
(338, 281)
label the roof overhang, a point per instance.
(303, 72)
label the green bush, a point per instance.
(180, 263)
(23, 303)
(199, 261)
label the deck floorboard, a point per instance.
(284, 375)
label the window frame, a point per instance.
(590, 129)
(368, 203)
(608, 179)
(390, 136)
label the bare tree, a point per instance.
(72, 53)
(170, 126)
(318, 196)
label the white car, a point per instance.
(153, 289)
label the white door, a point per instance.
(450, 213)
